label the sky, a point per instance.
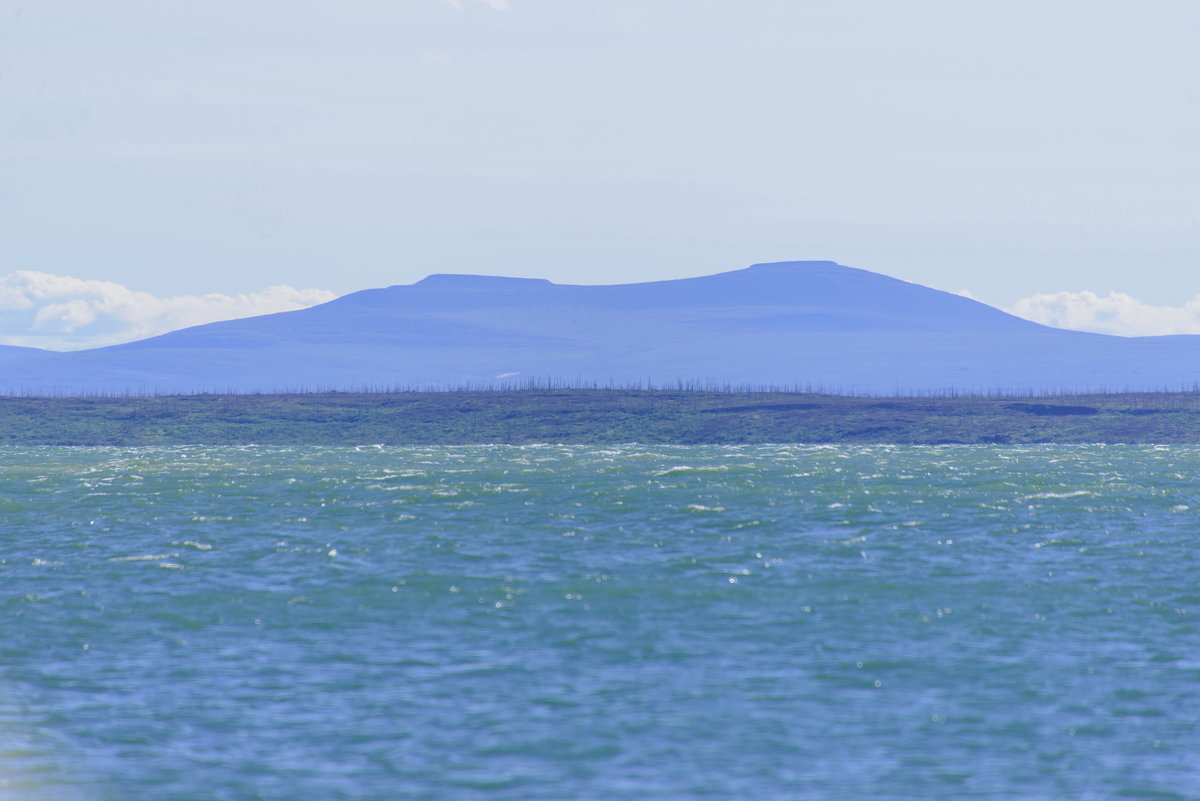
(166, 162)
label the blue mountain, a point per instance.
(792, 324)
(14, 352)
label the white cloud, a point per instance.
(495, 5)
(434, 59)
(63, 313)
(1114, 313)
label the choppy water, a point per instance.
(575, 623)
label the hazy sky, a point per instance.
(1005, 148)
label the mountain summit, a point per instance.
(810, 324)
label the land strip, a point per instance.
(597, 416)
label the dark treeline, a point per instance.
(684, 415)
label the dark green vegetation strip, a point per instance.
(596, 416)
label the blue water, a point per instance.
(760, 622)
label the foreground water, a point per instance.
(548, 622)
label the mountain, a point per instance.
(802, 324)
(12, 352)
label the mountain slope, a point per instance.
(13, 352)
(814, 324)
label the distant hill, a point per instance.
(792, 324)
(9, 352)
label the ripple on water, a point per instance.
(778, 621)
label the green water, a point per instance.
(767, 622)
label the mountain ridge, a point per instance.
(795, 324)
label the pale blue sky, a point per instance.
(1005, 148)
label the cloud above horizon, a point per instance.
(61, 312)
(1115, 313)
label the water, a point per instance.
(767, 622)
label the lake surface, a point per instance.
(760, 622)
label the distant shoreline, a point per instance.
(599, 416)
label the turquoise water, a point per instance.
(766, 622)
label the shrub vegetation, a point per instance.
(597, 416)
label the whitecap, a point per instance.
(151, 557)
(1054, 495)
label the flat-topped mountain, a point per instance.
(790, 324)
